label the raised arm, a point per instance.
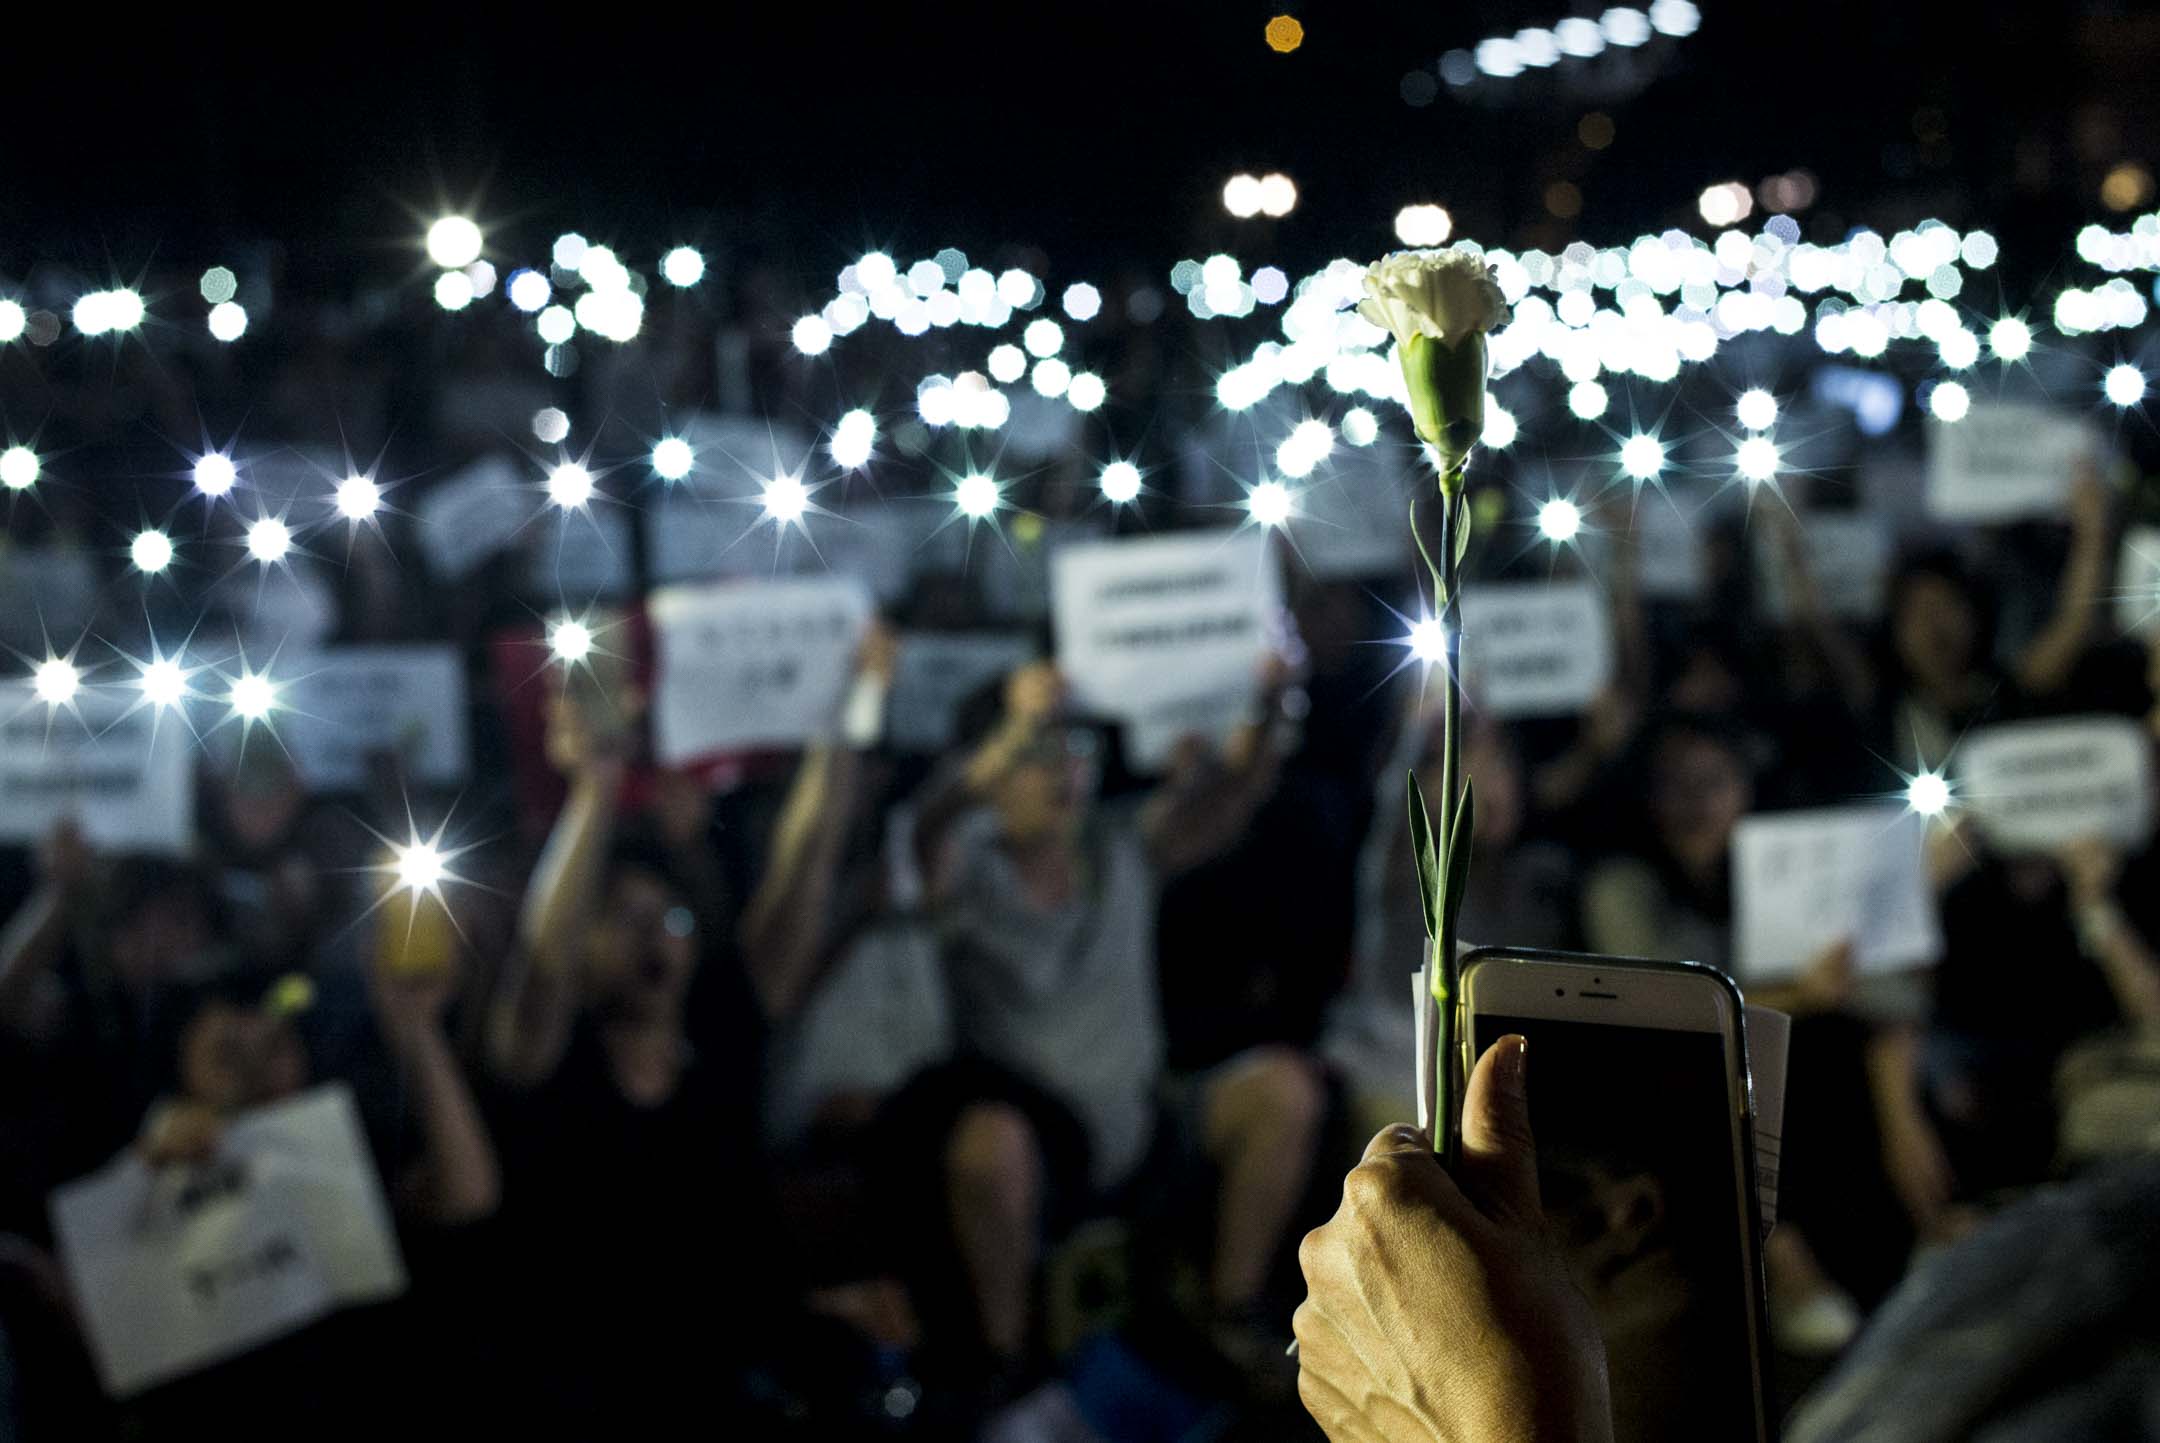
(2048, 659)
(2123, 954)
(1840, 654)
(789, 922)
(963, 782)
(530, 1022)
(456, 1178)
(1205, 804)
(36, 935)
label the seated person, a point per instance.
(1047, 903)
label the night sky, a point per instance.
(1101, 134)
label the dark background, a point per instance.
(1100, 133)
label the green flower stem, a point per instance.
(1444, 966)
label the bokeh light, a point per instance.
(1559, 519)
(56, 681)
(977, 495)
(1757, 459)
(253, 696)
(1270, 503)
(2125, 385)
(853, 439)
(1756, 409)
(215, 474)
(2010, 339)
(1423, 225)
(151, 551)
(1285, 33)
(1642, 457)
(163, 682)
(358, 497)
(673, 458)
(570, 640)
(228, 322)
(454, 242)
(1928, 794)
(1121, 482)
(1949, 401)
(269, 539)
(682, 267)
(570, 485)
(19, 468)
(785, 499)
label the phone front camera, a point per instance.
(1559, 992)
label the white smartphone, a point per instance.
(1639, 1099)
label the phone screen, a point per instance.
(1638, 1174)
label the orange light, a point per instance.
(1285, 34)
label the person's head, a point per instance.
(161, 919)
(1043, 797)
(237, 1044)
(1700, 786)
(642, 949)
(1939, 621)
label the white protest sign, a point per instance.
(1165, 633)
(280, 608)
(2039, 785)
(472, 515)
(1356, 515)
(754, 664)
(734, 456)
(126, 776)
(693, 537)
(346, 702)
(1803, 881)
(580, 554)
(45, 591)
(2137, 581)
(935, 671)
(1669, 562)
(1846, 553)
(878, 544)
(2005, 460)
(1535, 648)
(181, 1267)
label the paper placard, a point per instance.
(472, 515)
(1669, 562)
(754, 664)
(127, 777)
(1847, 553)
(1805, 880)
(936, 671)
(2005, 460)
(2137, 581)
(45, 591)
(347, 702)
(583, 554)
(734, 456)
(695, 537)
(1165, 633)
(2039, 785)
(181, 1267)
(1535, 648)
(1356, 517)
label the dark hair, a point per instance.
(1938, 563)
(244, 986)
(638, 850)
(137, 882)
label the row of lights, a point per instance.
(1502, 57)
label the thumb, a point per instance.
(1499, 1156)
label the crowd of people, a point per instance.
(859, 1093)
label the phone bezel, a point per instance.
(1648, 995)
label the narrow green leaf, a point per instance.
(1428, 864)
(1458, 858)
(1462, 527)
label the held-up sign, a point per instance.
(935, 672)
(2035, 786)
(1847, 554)
(2003, 461)
(1164, 633)
(126, 776)
(758, 664)
(2137, 581)
(181, 1267)
(1803, 881)
(347, 702)
(1535, 648)
(471, 516)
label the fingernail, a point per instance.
(1511, 1068)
